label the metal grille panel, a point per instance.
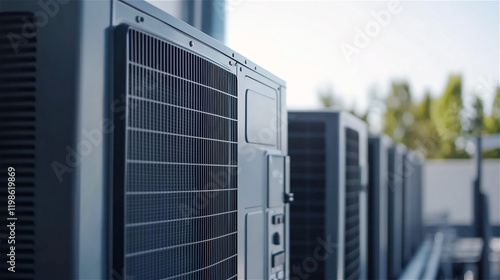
(181, 164)
(17, 137)
(352, 211)
(307, 150)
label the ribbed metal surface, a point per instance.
(396, 177)
(181, 164)
(419, 205)
(378, 215)
(415, 200)
(17, 138)
(374, 219)
(306, 144)
(408, 199)
(352, 188)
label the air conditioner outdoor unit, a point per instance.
(396, 182)
(378, 205)
(412, 233)
(328, 152)
(419, 201)
(142, 148)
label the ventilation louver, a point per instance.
(352, 218)
(17, 139)
(306, 142)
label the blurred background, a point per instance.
(426, 73)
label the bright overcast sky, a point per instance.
(300, 41)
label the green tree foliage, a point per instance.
(478, 120)
(424, 133)
(431, 126)
(410, 123)
(492, 124)
(446, 115)
(328, 99)
(398, 117)
(423, 110)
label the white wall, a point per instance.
(448, 188)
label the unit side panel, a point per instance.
(396, 176)
(378, 205)
(262, 180)
(336, 193)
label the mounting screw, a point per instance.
(191, 43)
(139, 19)
(230, 62)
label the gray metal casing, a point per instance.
(412, 206)
(336, 123)
(378, 204)
(419, 223)
(74, 85)
(396, 183)
(258, 200)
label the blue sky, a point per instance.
(301, 41)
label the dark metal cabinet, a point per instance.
(328, 228)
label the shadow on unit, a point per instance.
(328, 151)
(412, 205)
(143, 148)
(378, 205)
(395, 235)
